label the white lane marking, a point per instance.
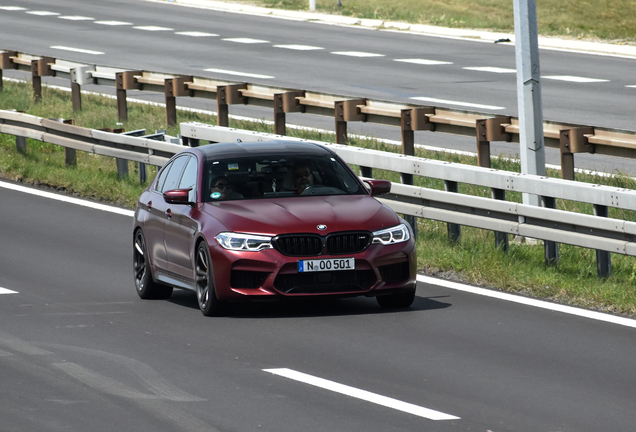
(246, 40)
(113, 23)
(448, 102)
(245, 74)
(7, 291)
(361, 394)
(357, 54)
(627, 322)
(43, 13)
(76, 18)
(68, 199)
(12, 8)
(571, 78)
(79, 50)
(631, 86)
(424, 62)
(299, 47)
(196, 34)
(491, 69)
(153, 28)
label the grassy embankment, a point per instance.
(610, 20)
(473, 259)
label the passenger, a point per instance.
(303, 178)
(221, 189)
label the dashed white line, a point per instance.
(76, 18)
(196, 34)
(357, 54)
(490, 69)
(245, 74)
(43, 13)
(571, 78)
(153, 28)
(113, 23)
(7, 291)
(79, 50)
(246, 40)
(449, 102)
(631, 86)
(424, 62)
(12, 8)
(362, 394)
(299, 47)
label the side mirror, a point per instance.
(177, 196)
(379, 187)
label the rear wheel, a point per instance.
(397, 300)
(146, 287)
(209, 304)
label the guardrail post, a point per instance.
(341, 124)
(551, 248)
(125, 81)
(408, 148)
(79, 77)
(492, 129)
(173, 88)
(603, 258)
(228, 95)
(6, 62)
(286, 103)
(21, 144)
(573, 141)
(40, 68)
(346, 111)
(454, 230)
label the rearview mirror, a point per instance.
(177, 196)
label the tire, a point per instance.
(145, 285)
(397, 300)
(209, 304)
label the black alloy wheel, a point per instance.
(146, 287)
(209, 304)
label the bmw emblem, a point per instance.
(322, 227)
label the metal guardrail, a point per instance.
(504, 217)
(485, 127)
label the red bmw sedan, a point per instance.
(242, 221)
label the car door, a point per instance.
(158, 211)
(181, 226)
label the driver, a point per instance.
(303, 178)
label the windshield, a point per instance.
(257, 177)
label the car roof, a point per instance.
(262, 148)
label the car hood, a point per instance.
(303, 214)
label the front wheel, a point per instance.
(146, 287)
(397, 300)
(209, 304)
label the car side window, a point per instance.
(174, 175)
(162, 177)
(189, 178)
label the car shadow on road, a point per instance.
(314, 306)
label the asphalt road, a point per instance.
(463, 74)
(80, 351)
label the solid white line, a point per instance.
(571, 78)
(299, 47)
(357, 54)
(68, 199)
(195, 34)
(7, 291)
(246, 40)
(467, 104)
(627, 322)
(361, 394)
(79, 50)
(424, 62)
(490, 69)
(153, 28)
(76, 18)
(247, 74)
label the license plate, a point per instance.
(329, 264)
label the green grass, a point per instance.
(599, 19)
(473, 259)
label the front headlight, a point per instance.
(397, 234)
(243, 242)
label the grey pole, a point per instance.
(531, 145)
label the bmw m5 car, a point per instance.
(244, 221)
